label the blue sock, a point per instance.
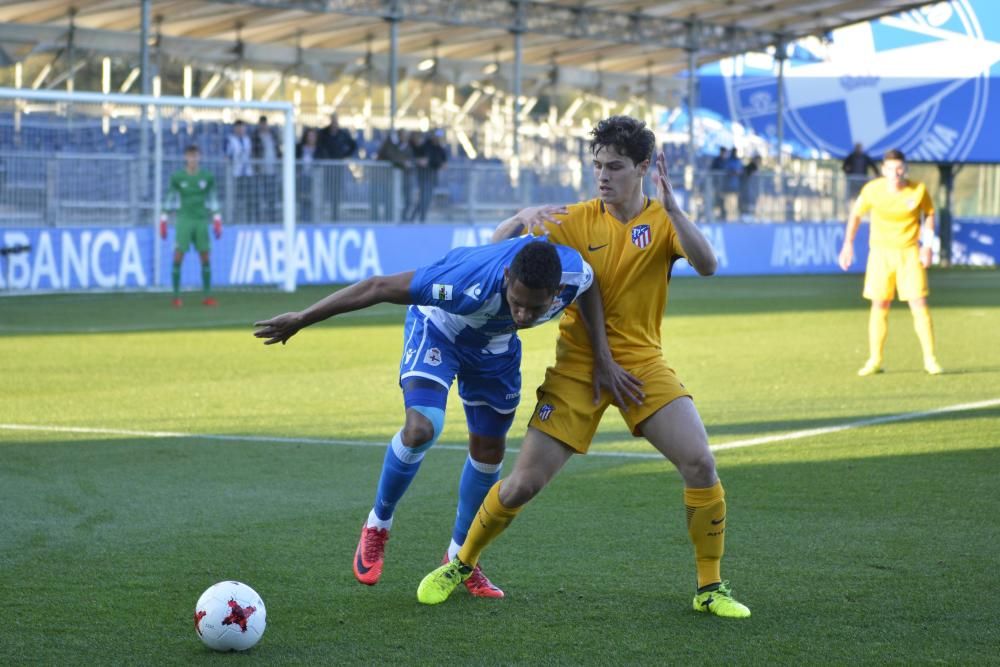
(477, 479)
(398, 470)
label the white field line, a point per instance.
(735, 444)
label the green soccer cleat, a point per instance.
(721, 603)
(438, 585)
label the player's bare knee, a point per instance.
(486, 449)
(418, 430)
(699, 471)
(517, 490)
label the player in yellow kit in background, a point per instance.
(632, 242)
(896, 261)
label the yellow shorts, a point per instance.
(566, 410)
(892, 270)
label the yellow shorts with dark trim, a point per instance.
(892, 270)
(566, 410)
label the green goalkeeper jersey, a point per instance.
(191, 195)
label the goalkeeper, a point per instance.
(192, 196)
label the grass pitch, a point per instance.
(146, 453)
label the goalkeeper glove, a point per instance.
(163, 225)
(217, 225)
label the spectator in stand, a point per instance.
(239, 150)
(717, 170)
(305, 153)
(267, 152)
(731, 184)
(396, 151)
(413, 147)
(336, 143)
(430, 158)
(856, 166)
(749, 186)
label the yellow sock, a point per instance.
(878, 329)
(925, 330)
(491, 520)
(706, 519)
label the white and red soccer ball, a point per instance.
(230, 616)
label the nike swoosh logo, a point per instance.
(716, 523)
(361, 564)
(592, 248)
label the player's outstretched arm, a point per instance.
(608, 375)
(531, 219)
(360, 295)
(699, 251)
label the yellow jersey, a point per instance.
(632, 263)
(895, 216)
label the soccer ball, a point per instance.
(230, 616)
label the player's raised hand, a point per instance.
(535, 218)
(279, 329)
(621, 384)
(664, 190)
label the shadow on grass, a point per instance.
(719, 295)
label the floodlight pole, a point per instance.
(517, 29)
(393, 19)
(147, 85)
(781, 55)
(691, 46)
(288, 197)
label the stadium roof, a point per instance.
(583, 42)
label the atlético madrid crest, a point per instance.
(641, 236)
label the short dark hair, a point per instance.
(537, 266)
(239, 123)
(192, 148)
(629, 135)
(894, 154)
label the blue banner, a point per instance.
(922, 81)
(975, 243)
(112, 258)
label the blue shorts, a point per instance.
(493, 380)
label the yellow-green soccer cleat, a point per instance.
(721, 603)
(438, 585)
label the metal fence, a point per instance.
(83, 188)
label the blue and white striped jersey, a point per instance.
(462, 294)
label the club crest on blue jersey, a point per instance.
(545, 411)
(641, 236)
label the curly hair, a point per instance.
(629, 135)
(537, 266)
